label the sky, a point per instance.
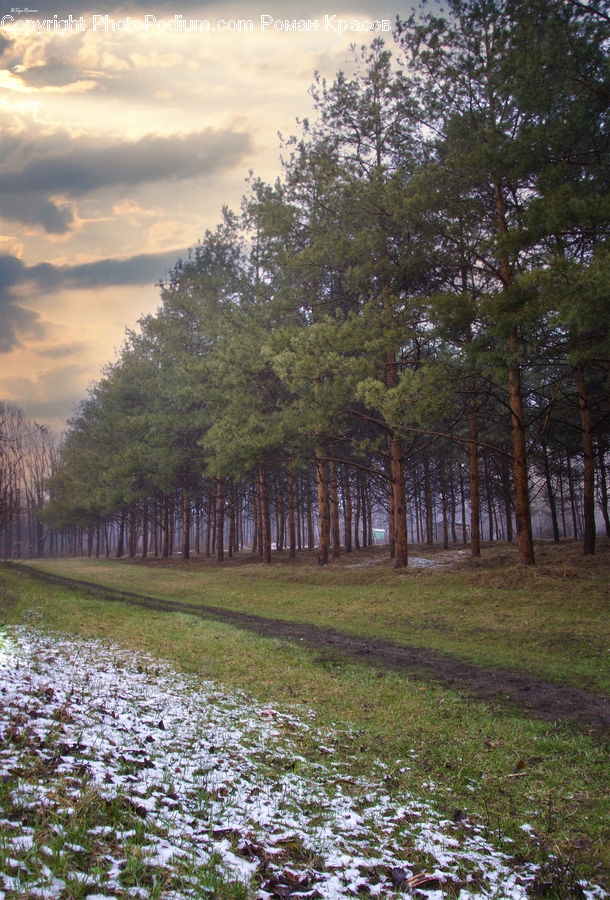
(123, 132)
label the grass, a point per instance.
(77, 862)
(551, 621)
(476, 760)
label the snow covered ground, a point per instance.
(446, 558)
(216, 785)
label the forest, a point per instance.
(404, 338)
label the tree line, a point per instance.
(26, 463)
(410, 323)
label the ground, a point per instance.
(545, 699)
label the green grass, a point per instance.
(551, 621)
(497, 765)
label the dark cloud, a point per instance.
(30, 178)
(16, 321)
(32, 210)
(147, 268)
(45, 278)
(11, 272)
(83, 169)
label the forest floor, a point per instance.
(547, 700)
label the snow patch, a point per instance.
(213, 773)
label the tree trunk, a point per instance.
(399, 505)
(292, 537)
(357, 514)
(444, 512)
(220, 519)
(525, 537)
(322, 485)
(232, 529)
(508, 510)
(300, 514)
(172, 526)
(572, 497)
(489, 496)
(475, 490)
(279, 515)
(463, 505)
(365, 535)
(165, 525)
(310, 534)
(564, 527)
(119, 548)
(391, 514)
(186, 519)
(334, 508)
(589, 461)
(603, 485)
(265, 518)
(348, 510)
(197, 527)
(550, 493)
(40, 541)
(145, 528)
(256, 542)
(417, 505)
(428, 501)
(452, 502)
(208, 525)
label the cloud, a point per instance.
(168, 233)
(15, 277)
(134, 211)
(11, 270)
(54, 73)
(53, 217)
(146, 268)
(16, 320)
(11, 246)
(63, 350)
(30, 179)
(48, 395)
(5, 43)
(85, 168)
